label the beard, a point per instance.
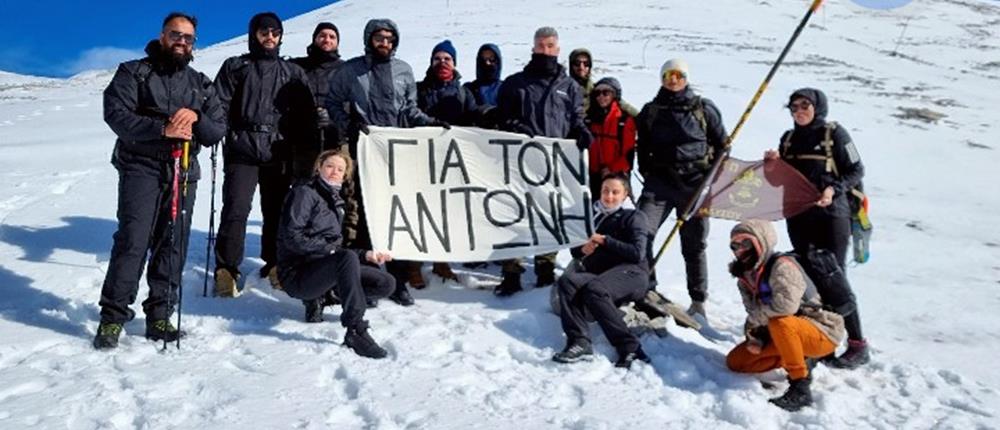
(180, 58)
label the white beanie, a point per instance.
(674, 64)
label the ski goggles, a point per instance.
(176, 36)
(676, 74)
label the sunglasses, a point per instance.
(273, 32)
(580, 63)
(176, 36)
(381, 38)
(676, 74)
(802, 105)
(604, 92)
(740, 244)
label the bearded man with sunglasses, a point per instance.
(152, 105)
(679, 134)
(270, 109)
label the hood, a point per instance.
(163, 61)
(577, 52)
(613, 83)
(481, 71)
(381, 24)
(763, 234)
(816, 97)
(263, 20)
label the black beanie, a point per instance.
(326, 26)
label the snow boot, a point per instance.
(797, 397)
(401, 296)
(443, 271)
(509, 286)
(855, 356)
(225, 283)
(314, 310)
(107, 335)
(545, 275)
(625, 360)
(575, 350)
(358, 339)
(163, 330)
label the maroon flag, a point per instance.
(765, 189)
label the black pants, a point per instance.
(601, 295)
(815, 229)
(657, 205)
(144, 203)
(238, 186)
(342, 273)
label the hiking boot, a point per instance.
(107, 335)
(855, 356)
(163, 330)
(402, 296)
(314, 310)
(330, 299)
(697, 308)
(443, 271)
(358, 339)
(797, 397)
(625, 360)
(574, 351)
(225, 283)
(272, 276)
(414, 277)
(509, 286)
(545, 275)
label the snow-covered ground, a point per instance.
(464, 359)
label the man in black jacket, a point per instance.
(269, 109)
(679, 133)
(320, 63)
(541, 100)
(378, 89)
(153, 105)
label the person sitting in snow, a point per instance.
(313, 264)
(785, 323)
(612, 271)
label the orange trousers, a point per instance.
(792, 340)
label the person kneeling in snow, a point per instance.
(612, 272)
(313, 263)
(786, 322)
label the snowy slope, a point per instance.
(462, 358)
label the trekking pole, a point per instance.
(175, 154)
(699, 196)
(185, 159)
(211, 222)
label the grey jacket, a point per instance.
(350, 88)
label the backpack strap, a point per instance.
(809, 297)
(698, 110)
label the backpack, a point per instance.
(861, 225)
(698, 110)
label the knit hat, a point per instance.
(675, 64)
(326, 26)
(610, 84)
(447, 47)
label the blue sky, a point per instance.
(61, 38)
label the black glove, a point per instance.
(322, 118)
(519, 127)
(442, 124)
(362, 127)
(584, 140)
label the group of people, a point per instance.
(291, 127)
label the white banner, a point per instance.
(469, 194)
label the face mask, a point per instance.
(600, 208)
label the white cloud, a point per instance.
(102, 57)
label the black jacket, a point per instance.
(672, 142)
(140, 99)
(311, 222)
(626, 237)
(542, 101)
(268, 105)
(806, 140)
(447, 101)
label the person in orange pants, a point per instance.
(785, 320)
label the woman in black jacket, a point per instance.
(312, 261)
(824, 153)
(612, 272)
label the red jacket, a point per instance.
(607, 151)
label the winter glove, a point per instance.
(519, 127)
(584, 140)
(440, 123)
(322, 118)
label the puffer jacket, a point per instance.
(611, 151)
(541, 103)
(351, 87)
(626, 239)
(787, 284)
